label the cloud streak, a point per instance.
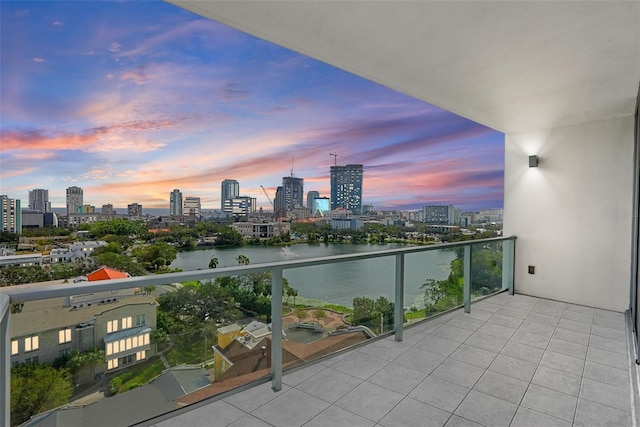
(137, 98)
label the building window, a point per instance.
(31, 343)
(33, 359)
(129, 344)
(127, 360)
(14, 347)
(141, 355)
(109, 350)
(112, 364)
(126, 322)
(112, 326)
(116, 346)
(140, 320)
(64, 336)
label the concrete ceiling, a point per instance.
(513, 66)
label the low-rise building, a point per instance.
(261, 230)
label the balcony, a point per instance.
(512, 361)
(503, 360)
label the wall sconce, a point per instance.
(533, 161)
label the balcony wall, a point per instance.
(572, 214)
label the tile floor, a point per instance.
(513, 361)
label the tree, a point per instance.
(149, 289)
(156, 256)
(319, 315)
(243, 259)
(93, 357)
(369, 312)
(300, 314)
(213, 262)
(36, 388)
(120, 262)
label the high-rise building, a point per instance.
(175, 203)
(229, 189)
(240, 207)
(10, 215)
(346, 187)
(134, 210)
(443, 215)
(310, 196)
(293, 189)
(108, 210)
(192, 206)
(278, 203)
(39, 200)
(75, 200)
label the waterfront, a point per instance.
(340, 283)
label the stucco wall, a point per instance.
(572, 214)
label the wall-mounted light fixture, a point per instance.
(533, 161)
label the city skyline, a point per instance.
(131, 100)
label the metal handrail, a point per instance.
(32, 292)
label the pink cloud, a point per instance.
(36, 59)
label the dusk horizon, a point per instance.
(130, 100)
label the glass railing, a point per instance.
(184, 337)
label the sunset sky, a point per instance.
(130, 100)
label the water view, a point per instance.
(338, 283)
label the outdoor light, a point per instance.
(533, 161)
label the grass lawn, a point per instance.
(420, 314)
(190, 348)
(140, 374)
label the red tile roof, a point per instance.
(106, 273)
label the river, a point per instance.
(336, 283)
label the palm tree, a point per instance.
(213, 263)
(93, 357)
(243, 259)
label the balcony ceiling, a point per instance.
(513, 66)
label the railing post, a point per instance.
(276, 329)
(508, 259)
(5, 361)
(466, 287)
(398, 314)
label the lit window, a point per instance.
(134, 343)
(31, 343)
(116, 346)
(64, 336)
(14, 347)
(126, 322)
(112, 364)
(128, 344)
(122, 345)
(141, 355)
(109, 349)
(112, 326)
(146, 339)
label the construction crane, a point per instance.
(269, 198)
(335, 158)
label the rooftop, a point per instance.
(513, 361)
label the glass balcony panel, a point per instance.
(486, 268)
(432, 282)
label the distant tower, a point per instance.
(230, 189)
(39, 200)
(175, 203)
(134, 210)
(192, 206)
(75, 200)
(346, 187)
(310, 196)
(293, 192)
(10, 215)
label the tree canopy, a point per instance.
(36, 388)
